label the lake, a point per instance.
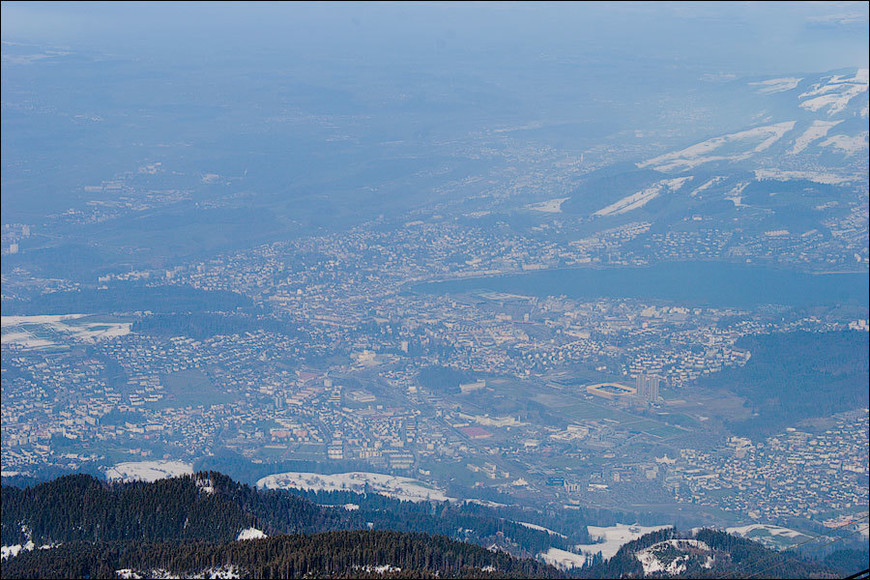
(716, 284)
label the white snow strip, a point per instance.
(641, 198)
(700, 153)
(148, 470)
(549, 206)
(817, 130)
(818, 177)
(707, 185)
(634, 201)
(382, 569)
(404, 488)
(541, 529)
(771, 86)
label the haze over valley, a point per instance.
(589, 270)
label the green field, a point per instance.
(191, 388)
(579, 410)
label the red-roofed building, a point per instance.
(476, 432)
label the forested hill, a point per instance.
(703, 553)
(191, 526)
(211, 506)
(798, 375)
(188, 524)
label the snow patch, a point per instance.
(707, 185)
(205, 485)
(13, 550)
(772, 86)
(148, 470)
(611, 539)
(562, 559)
(383, 569)
(549, 206)
(848, 145)
(817, 130)
(835, 93)
(251, 534)
(23, 330)
(641, 198)
(614, 537)
(541, 529)
(817, 176)
(650, 558)
(404, 488)
(227, 572)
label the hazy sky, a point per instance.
(742, 38)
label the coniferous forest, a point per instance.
(83, 527)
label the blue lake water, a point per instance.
(716, 284)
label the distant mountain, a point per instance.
(794, 171)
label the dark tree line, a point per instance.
(344, 554)
(130, 297)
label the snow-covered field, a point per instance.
(772, 86)
(148, 470)
(817, 176)
(20, 329)
(771, 536)
(404, 488)
(251, 534)
(549, 206)
(641, 198)
(562, 559)
(846, 144)
(614, 537)
(836, 93)
(754, 140)
(818, 130)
